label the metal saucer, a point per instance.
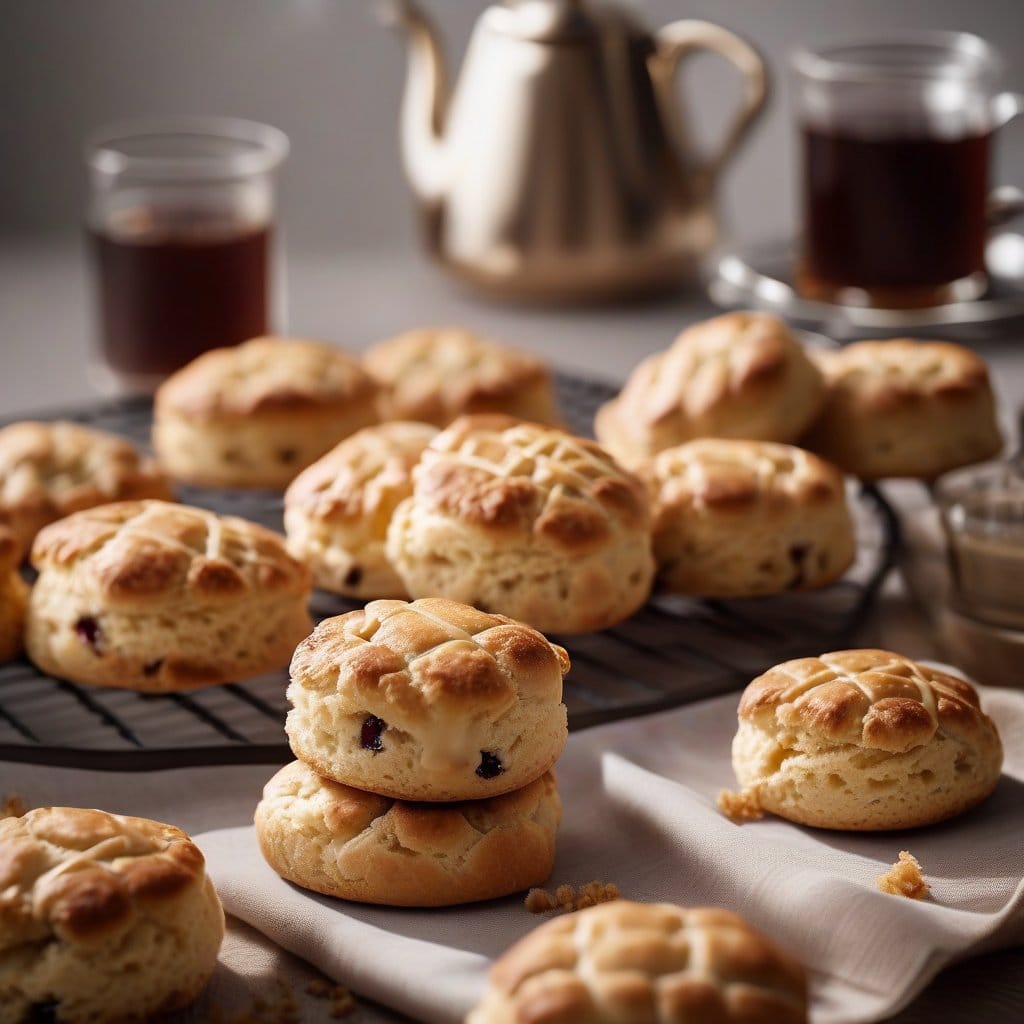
(761, 277)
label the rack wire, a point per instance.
(673, 651)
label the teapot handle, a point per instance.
(681, 38)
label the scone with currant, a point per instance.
(337, 512)
(430, 701)
(152, 596)
(256, 414)
(103, 918)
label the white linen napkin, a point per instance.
(640, 811)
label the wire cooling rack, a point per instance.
(672, 652)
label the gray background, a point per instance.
(326, 73)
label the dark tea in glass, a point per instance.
(180, 232)
(172, 286)
(896, 138)
(898, 217)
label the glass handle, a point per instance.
(1005, 202)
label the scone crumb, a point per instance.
(539, 901)
(567, 898)
(13, 806)
(281, 1006)
(342, 1001)
(741, 806)
(904, 879)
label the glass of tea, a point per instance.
(180, 225)
(897, 142)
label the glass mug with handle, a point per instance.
(897, 142)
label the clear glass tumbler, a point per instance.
(181, 233)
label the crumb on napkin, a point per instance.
(565, 897)
(343, 1002)
(742, 806)
(278, 1007)
(904, 879)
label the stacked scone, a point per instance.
(425, 734)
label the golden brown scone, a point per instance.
(905, 408)
(864, 740)
(337, 512)
(435, 374)
(359, 846)
(747, 518)
(103, 918)
(651, 962)
(49, 470)
(13, 596)
(256, 414)
(528, 521)
(737, 375)
(431, 700)
(152, 596)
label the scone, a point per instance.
(435, 374)
(864, 740)
(747, 518)
(13, 596)
(651, 962)
(359, 846)
(431, 700)
(528, 521)
(737, 375)
(103, 918)
(151, 596)
(49, 470)
(256, 414)
(337, 512)
(905, 408)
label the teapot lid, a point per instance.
(549, 20)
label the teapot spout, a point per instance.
(424, 102)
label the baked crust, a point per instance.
(110, 917)
(525, 520)
(435, 374)
(652, 962)
(865, 739)
(905, 408)
(13, 596)
(154, 596)
(447, 684)
(49, 470)
(257, 414)
(739, 375)
(360, 846)
(746, 518)
(336, 512)
(270, 376)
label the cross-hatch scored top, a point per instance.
(904, 367)
(155, 550)
(648, 960)
(729, 472)
(506, 475)
(875, 699)
(53, 463)
(77, 872)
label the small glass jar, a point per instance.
(181, 233)
(982, 510)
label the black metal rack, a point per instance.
(672, 652)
